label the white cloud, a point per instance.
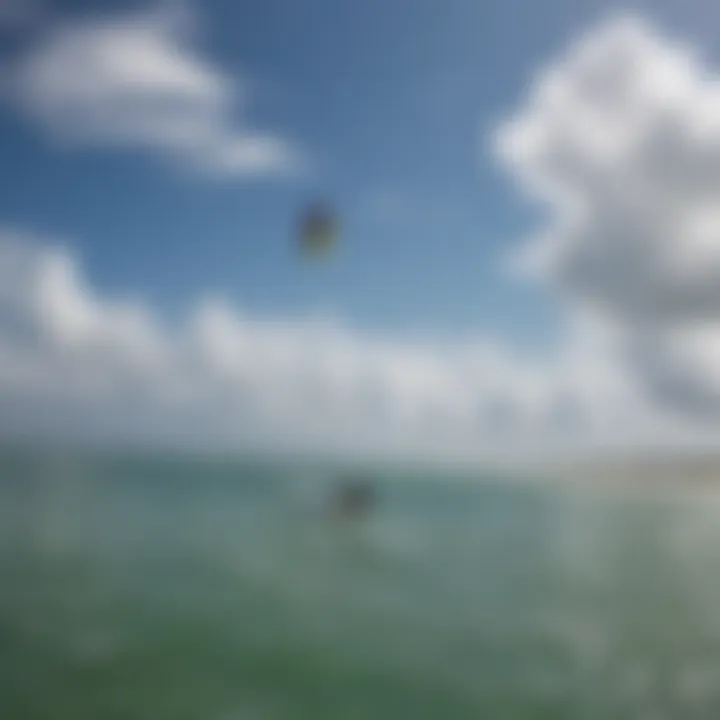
(621, 138)
(75, 363)
(137, 82)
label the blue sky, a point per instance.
(391, 111)
(387, 99)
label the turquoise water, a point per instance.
(135, 588)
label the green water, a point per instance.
(135, 588)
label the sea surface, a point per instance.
(164, 588)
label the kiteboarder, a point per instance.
(353, 498)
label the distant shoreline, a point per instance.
(646, 471)
(685, 472)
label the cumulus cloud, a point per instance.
(75, 363)
(621, 138)
(137, 81)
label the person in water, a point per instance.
(353, 499)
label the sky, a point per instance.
(530, 248)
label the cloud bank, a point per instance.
(75, 364)
(137, 82)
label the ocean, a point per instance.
(146, 587)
